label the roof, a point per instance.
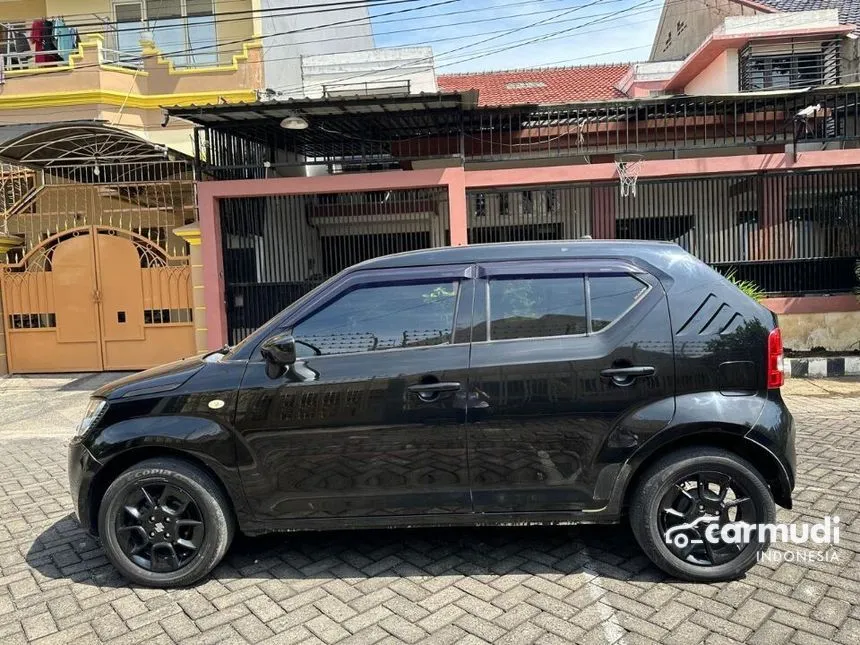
(849, 10)
(657, 253)
(548, 85)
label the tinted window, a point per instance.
(611, 296)
(380, 317)
(536, 307)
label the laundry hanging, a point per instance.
(42, 37)
(66, 38)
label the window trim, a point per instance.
(586, 275)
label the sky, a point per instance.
(567, 32)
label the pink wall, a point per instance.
(457, 182)
(210, 192)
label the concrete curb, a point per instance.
(822, 367)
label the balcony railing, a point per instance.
(372, 139)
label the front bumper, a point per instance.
(82, 468)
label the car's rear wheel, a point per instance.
(165, 523)
(687, 491)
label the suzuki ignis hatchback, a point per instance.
(550, 383)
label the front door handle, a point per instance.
(624, 376)
(442, 386)
(430, 391)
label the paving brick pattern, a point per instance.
(537, 585)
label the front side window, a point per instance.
(379, 317)
(537, 307)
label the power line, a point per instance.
(483, 33)
(485, 40)
(248, 13)
(190, 50)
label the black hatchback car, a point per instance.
(552, 383)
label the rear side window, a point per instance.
(611, 296)
(377, 317)
(537, 307)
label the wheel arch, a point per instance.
(731, 440)
(125, 460)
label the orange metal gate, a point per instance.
(96, 298)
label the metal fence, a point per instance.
(277, 248)
(791, 233)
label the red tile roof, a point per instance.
(543, 85)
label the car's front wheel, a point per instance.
(690, 513)
(165, 523)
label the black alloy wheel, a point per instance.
(696, 502)
(684, 493)
(160, 527)
(165, 523)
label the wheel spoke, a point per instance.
(684, 492)
(132, 510)
(147, 496)
(188, 544)
(709, 549)
(187, 522)
(139, 548)
(701, 489)
(725, 487)
(675, 512)
(174, 501)
(167, 562)
(737, 502)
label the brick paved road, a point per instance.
(542, 585)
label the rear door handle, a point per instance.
(428, 388)
(623, 376)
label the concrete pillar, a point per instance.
(458, 214)
(191, 234)
(7, 242)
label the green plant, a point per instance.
(749, 287)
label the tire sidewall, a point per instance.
(659, 484)
(216, 526)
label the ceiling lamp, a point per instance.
(294, 122)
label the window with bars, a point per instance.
(796, 65)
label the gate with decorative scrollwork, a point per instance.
(98, 279)
(96, 298)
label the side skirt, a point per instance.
(254, 527)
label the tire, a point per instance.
(648, 504)
(205, 524)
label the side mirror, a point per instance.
(280, 350)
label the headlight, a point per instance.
(95, 411)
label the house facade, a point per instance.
(761, 181)
(96, 258)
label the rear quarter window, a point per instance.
(611, 296)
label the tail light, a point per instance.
(775, 375)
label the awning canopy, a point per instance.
(71, 143)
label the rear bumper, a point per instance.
(774, 431)
(82, 468)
